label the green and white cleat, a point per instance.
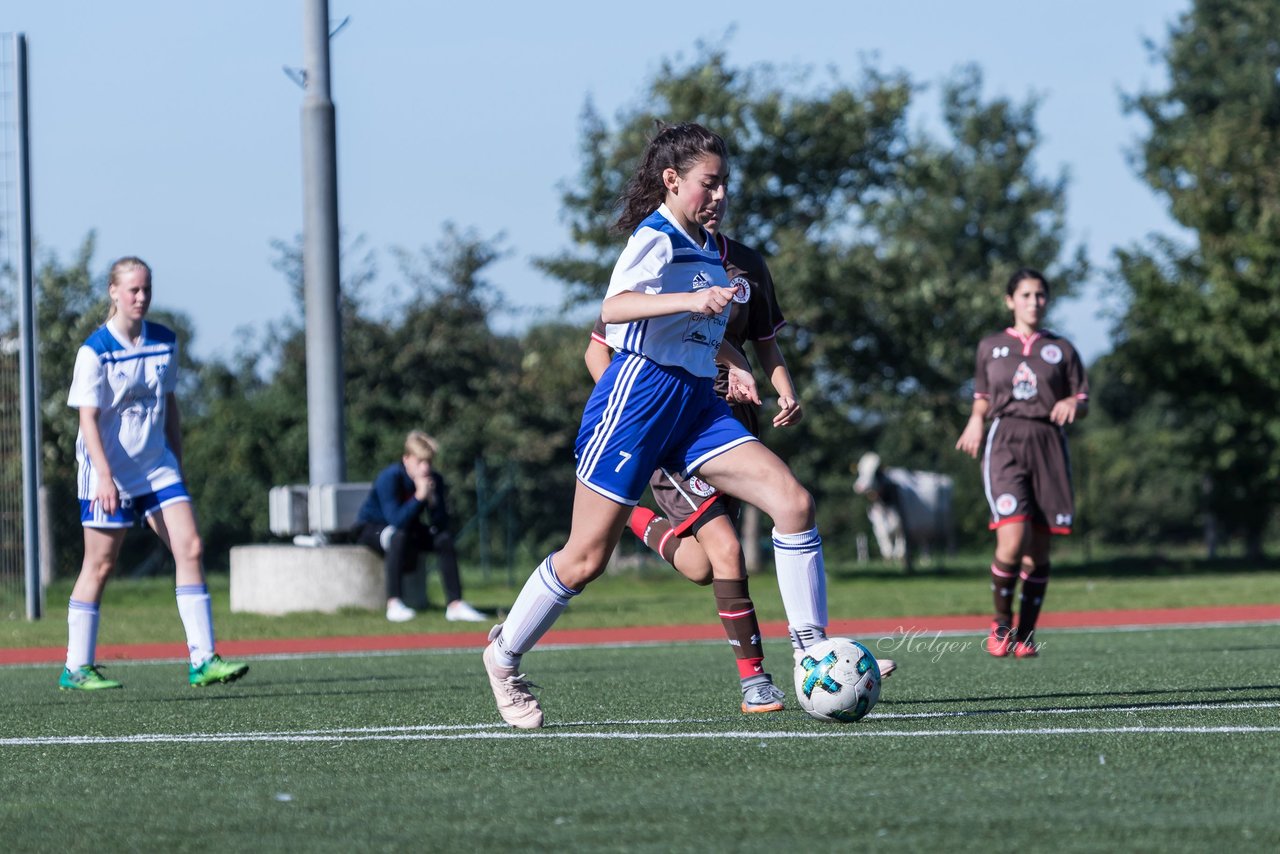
(216, 670)
(85, 678)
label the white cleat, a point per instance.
(515, 701)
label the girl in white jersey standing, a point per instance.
(129, 452)
(655, 406)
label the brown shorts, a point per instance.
(1026, 473)
(688, 504)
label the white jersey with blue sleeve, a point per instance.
(661, 258)
(127, 383)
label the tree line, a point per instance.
(889, 245)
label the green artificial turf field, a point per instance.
(1153, 740)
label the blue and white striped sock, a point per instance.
(802, 581)
(541, 602)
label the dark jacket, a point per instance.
(392, 502)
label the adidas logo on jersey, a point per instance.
(701, 280)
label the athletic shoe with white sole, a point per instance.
(762, 696)
(215, 670)
(85, 678)
(461, 612)
(515, 701)
(398, 612)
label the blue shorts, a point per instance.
(643, 416)
(132, 509)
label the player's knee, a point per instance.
(726, 560)
(697, 571)
(98, 567)
(798, 511)
(579, 568)
(192, 550)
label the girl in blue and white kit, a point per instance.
(655, 407)
(129, 451)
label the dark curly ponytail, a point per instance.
(676, 147)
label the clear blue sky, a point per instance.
(171, 129)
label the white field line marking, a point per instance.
(455, 732)
(1155, 707)
(842, 732)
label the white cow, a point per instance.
(910, 511)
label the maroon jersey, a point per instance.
(754, 314)
(1024, 377)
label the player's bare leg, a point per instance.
(597, 525)
(175, 524)
(756, 475)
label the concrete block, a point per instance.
(284, 579)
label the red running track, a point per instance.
(915, 626)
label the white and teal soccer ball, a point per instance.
(838, 680)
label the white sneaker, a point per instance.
(461, 612)
(398, 612)
(516, 702)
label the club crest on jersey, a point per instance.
(741, 289)
(701, 280)
(1024, 382)
(1006, 504)
(700, 487)
(1051, 353)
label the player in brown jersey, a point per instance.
(1031, 383)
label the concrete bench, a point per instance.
(311, 574)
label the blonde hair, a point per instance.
(420, 445)
(124, 265)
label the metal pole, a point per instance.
(326, 456)
(27, 356)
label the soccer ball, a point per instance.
(838, 680)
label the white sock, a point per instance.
(82, 633)
(802, 581)
(196, 610)
(541, 602)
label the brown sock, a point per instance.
(738, 615)
(1004, 576)
(1033, 588)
